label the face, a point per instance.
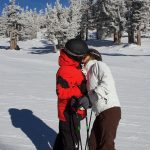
(86, 59)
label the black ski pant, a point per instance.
(104, 130)
(68, 137)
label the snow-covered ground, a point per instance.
(28, 102)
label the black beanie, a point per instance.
(76, 47)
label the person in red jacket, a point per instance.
(70, 85)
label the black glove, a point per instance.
(82, 87)
(74, 103)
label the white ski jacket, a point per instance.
(100, 79)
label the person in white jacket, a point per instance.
(102, 96)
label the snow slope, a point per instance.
(28, 102)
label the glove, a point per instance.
(87, 100)
(74, 104)
(83, 88)
(84, 102)
(80, 102)
(75, 108)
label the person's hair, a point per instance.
(94, 54)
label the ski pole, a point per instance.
(88, 128)
(78, 128)
(90, 119)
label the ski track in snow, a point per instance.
(27, 81)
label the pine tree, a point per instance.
(118, 19)
(148, 28)
(63, 23)
(29, 23)
(87, 19)
(41, 19)
(11, 13)
(110, 18)
(52, 23)
(137, 19)
(74, 20)
(3, 27)
(102, 18)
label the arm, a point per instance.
(64, 89)
(68, 93)
(99, 80)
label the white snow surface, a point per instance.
(28, 101)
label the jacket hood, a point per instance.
(65, 60)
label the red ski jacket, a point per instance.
(69, 77)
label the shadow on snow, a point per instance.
(4, 47)
(100, 43)
(108, 43)
(38, 132)
(48, 48)
(117, 54)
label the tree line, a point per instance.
(107, 17)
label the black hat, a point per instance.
(96, 54)
(76, 47)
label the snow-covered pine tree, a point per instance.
(63, 23)
(41, 19)
(149, 16)
(143, 26)
(110, 18)
(84, 19)
(129, 21)
(88, 13)
(70, 21)
(64, 26)
(11, 13)
(74, 19)
(102, 18)
(137, 19)
(29, 23)
(2, 26)
(52, 24)
(148, 28)
(118, 12)
(61, 30)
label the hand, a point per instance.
(74, 103)
(75, 106)
(84, 102)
